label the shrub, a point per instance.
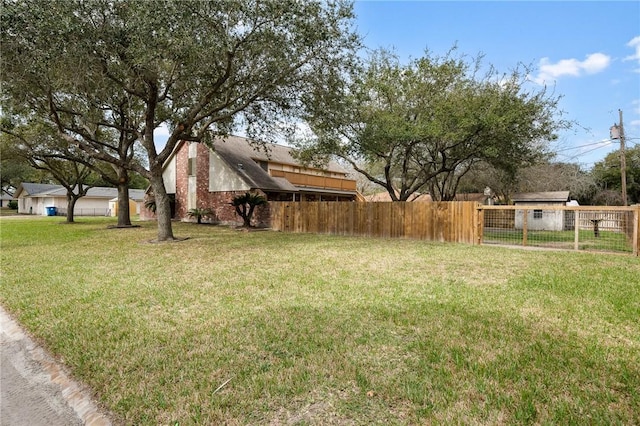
(150, 205)
(245, 205)
(199, 213)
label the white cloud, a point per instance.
(549, 72)
(595, 63)
(634, 44)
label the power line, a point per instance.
(602, 144)
(573, 157)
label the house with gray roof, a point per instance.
(199, 176)
(6, 196)
(35, 198)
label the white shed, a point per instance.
(541, 219)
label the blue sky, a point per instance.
(587, 52)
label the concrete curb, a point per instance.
(34, 389)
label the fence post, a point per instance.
(525, 214)
(636, 231)
(576, 229)
(478, 226)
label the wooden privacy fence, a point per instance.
(593, 228)
(438, 221)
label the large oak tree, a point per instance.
(94, 67)
(422, 126)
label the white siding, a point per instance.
(85, 205)
(191, 193)
(551, 220)
(222, 177)
(169, 176)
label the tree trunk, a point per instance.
(249, 216)
(71, 204)
(124, 215)
(163, 206)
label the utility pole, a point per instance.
(617, 132)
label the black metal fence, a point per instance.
(85, 212)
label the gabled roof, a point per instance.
(550, 196)
(241, 155)
(249, 170)
(265, 152)
(35, 188)
(49, 190)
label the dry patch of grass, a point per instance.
(270, 328)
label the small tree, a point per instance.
(246, 204)
(199, 214)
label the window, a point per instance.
(191, 167)
(537, 214)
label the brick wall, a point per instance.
(182, 180)
(145, 213)
(225, 213)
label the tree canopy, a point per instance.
(95, 68)
(14, 168)
(607, 174)
(425, 124)
(540, 177)
(43, 149)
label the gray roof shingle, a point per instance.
(556, 196)
(264, 152)
(249, 170)
(240, 154)
(36, 188)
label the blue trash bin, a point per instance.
(51, 211)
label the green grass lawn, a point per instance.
(240, 328)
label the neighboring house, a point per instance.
(4, 199)
(488, 198)
(196, 176)
(34, 198)
(426, 198)
(541, 219)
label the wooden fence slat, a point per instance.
(441, 221)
